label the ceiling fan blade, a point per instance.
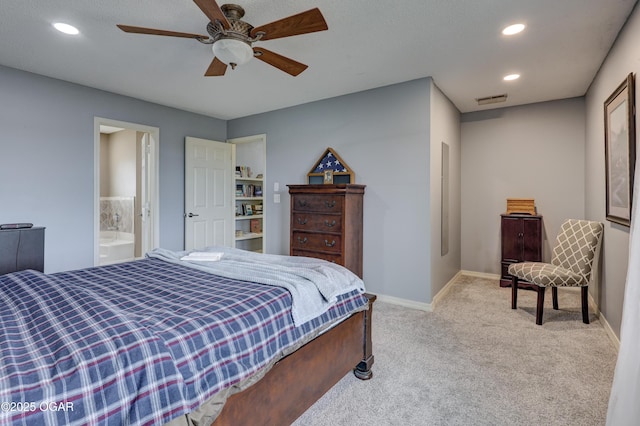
(217, 68)
(213, 12)
(302, 23)
(282, 63)
(152, 31)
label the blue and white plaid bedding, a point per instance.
(137, 343)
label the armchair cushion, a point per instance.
(547, 275)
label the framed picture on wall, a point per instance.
(620, 151)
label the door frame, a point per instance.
(154, 134)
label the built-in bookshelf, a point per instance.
(250, 161)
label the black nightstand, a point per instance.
(21, 249)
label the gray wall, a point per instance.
(444, 127)
(532, 151)
(383, 135)
(47, 160)
(622, 59)
(119, 166)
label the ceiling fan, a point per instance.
(232, 38)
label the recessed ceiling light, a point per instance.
(66, 28)
(511, 77)
(513, 29)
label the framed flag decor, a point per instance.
(330, 169)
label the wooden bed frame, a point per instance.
(297, 381)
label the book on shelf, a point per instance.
(243, 171)
(248, 190)
(256, 226)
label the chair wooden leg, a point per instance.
(554, 295)
(514, 292)
(585, 304)
(540, 305)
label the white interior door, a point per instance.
(208, 217)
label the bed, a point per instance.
(169, 341)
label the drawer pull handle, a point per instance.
(302, 203)
(330, 204)
(329, 244)
(302, 221)
(302, 240)
(330, 225)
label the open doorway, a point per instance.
(125, 190)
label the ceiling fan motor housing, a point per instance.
(225, 41)
(238, 29)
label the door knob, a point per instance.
(192, 215)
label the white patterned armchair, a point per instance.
(573, 255)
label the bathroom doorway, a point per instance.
(126, 191)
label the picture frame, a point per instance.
(620, 151)
(328, 176)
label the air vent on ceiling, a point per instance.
(492, 99)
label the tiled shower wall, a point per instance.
(123, 207)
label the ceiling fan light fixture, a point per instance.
(232, 51)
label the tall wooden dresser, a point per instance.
(326, 223)
(521, 237)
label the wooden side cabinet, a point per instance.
(326, 223)
(21, 249)
(521, 237)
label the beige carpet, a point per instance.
(475, 361)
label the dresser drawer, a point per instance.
(317, 222)
(317, 203)
(330, 257)
(321, 242)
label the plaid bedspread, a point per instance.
(136, 343)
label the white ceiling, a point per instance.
(370, 43)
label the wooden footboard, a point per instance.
(297, 381)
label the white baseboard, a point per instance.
(427, 307)
(481, 275)
(443, 292)
(605, 324)
(607, 328)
